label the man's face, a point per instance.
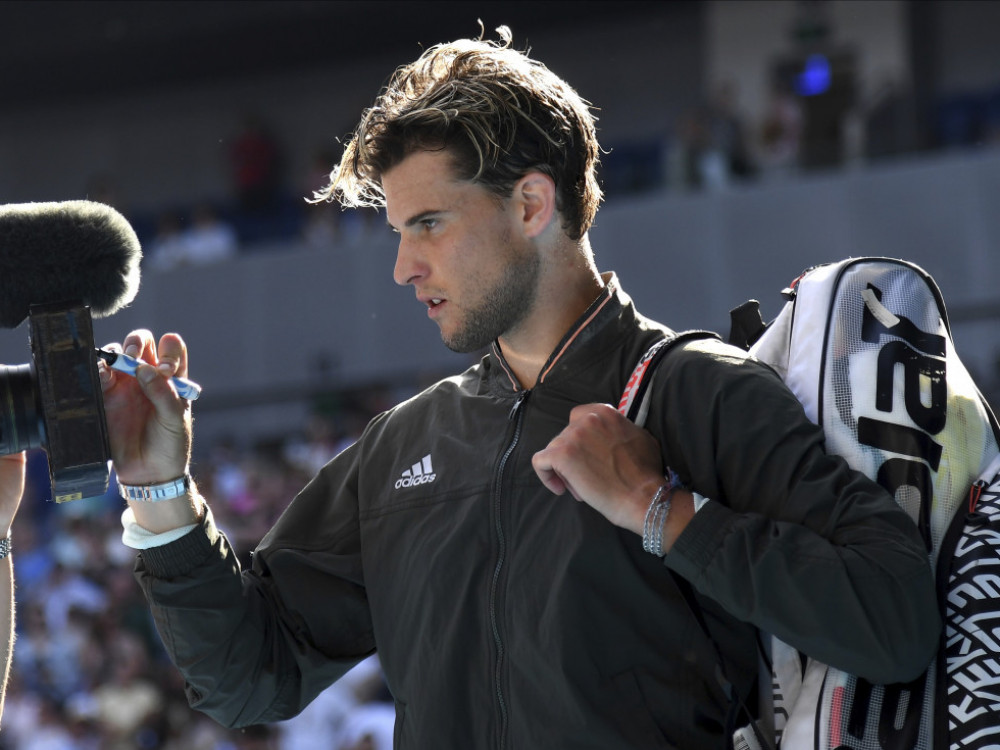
(461, 249)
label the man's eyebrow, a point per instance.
(417, 218)
(421, 216)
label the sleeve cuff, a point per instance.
(192, 548)
(699, 543)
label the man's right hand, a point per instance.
(149, 425)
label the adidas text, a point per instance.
(412, 481)
(419, 473)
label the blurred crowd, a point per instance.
(89, 672)
(264, 208)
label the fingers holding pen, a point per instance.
(173, 364)
(162, 367)
(103, 370)
(141, 345)
(172, 355)
(138, 345)
(151, 363)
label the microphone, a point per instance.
(74, 252)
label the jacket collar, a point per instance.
(606, 317)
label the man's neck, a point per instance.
(527, 349)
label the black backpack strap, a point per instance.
(634, 402)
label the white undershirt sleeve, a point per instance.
(137, 537)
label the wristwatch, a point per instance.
(151, 493)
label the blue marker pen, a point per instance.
(123, 363)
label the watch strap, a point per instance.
(151, 493)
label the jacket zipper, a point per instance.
(516, 415)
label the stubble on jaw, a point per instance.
(503, 307)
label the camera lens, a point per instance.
(20, 418)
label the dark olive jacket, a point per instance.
(506, 617)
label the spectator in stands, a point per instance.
(318, 445)
(727, 132)
(256, 166)
(686, 149)
(319, 227)
(781, 133)
(332, 720)
(208, 240)
(370, 727)
(320, 221)
(710, 149)
(125, 697)
(168, 243)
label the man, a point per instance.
(12, 469)
(504, 615)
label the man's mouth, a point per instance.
(433, 304)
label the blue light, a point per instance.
(815, 78)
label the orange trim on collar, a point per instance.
(584, 324)
(499, 357)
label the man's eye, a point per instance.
(429, 223)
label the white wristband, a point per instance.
(151, 493)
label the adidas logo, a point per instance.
(419, 473)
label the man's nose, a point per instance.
(409, 268)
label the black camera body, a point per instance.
(56, 402)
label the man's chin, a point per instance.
(459, 348)
(465, 344)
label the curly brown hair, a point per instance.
(500, 115)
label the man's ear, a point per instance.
(535, 198)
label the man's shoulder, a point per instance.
(703, 346)
(710, 359)
(434, 397)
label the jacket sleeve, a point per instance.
(799, 544)
(257, 646)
